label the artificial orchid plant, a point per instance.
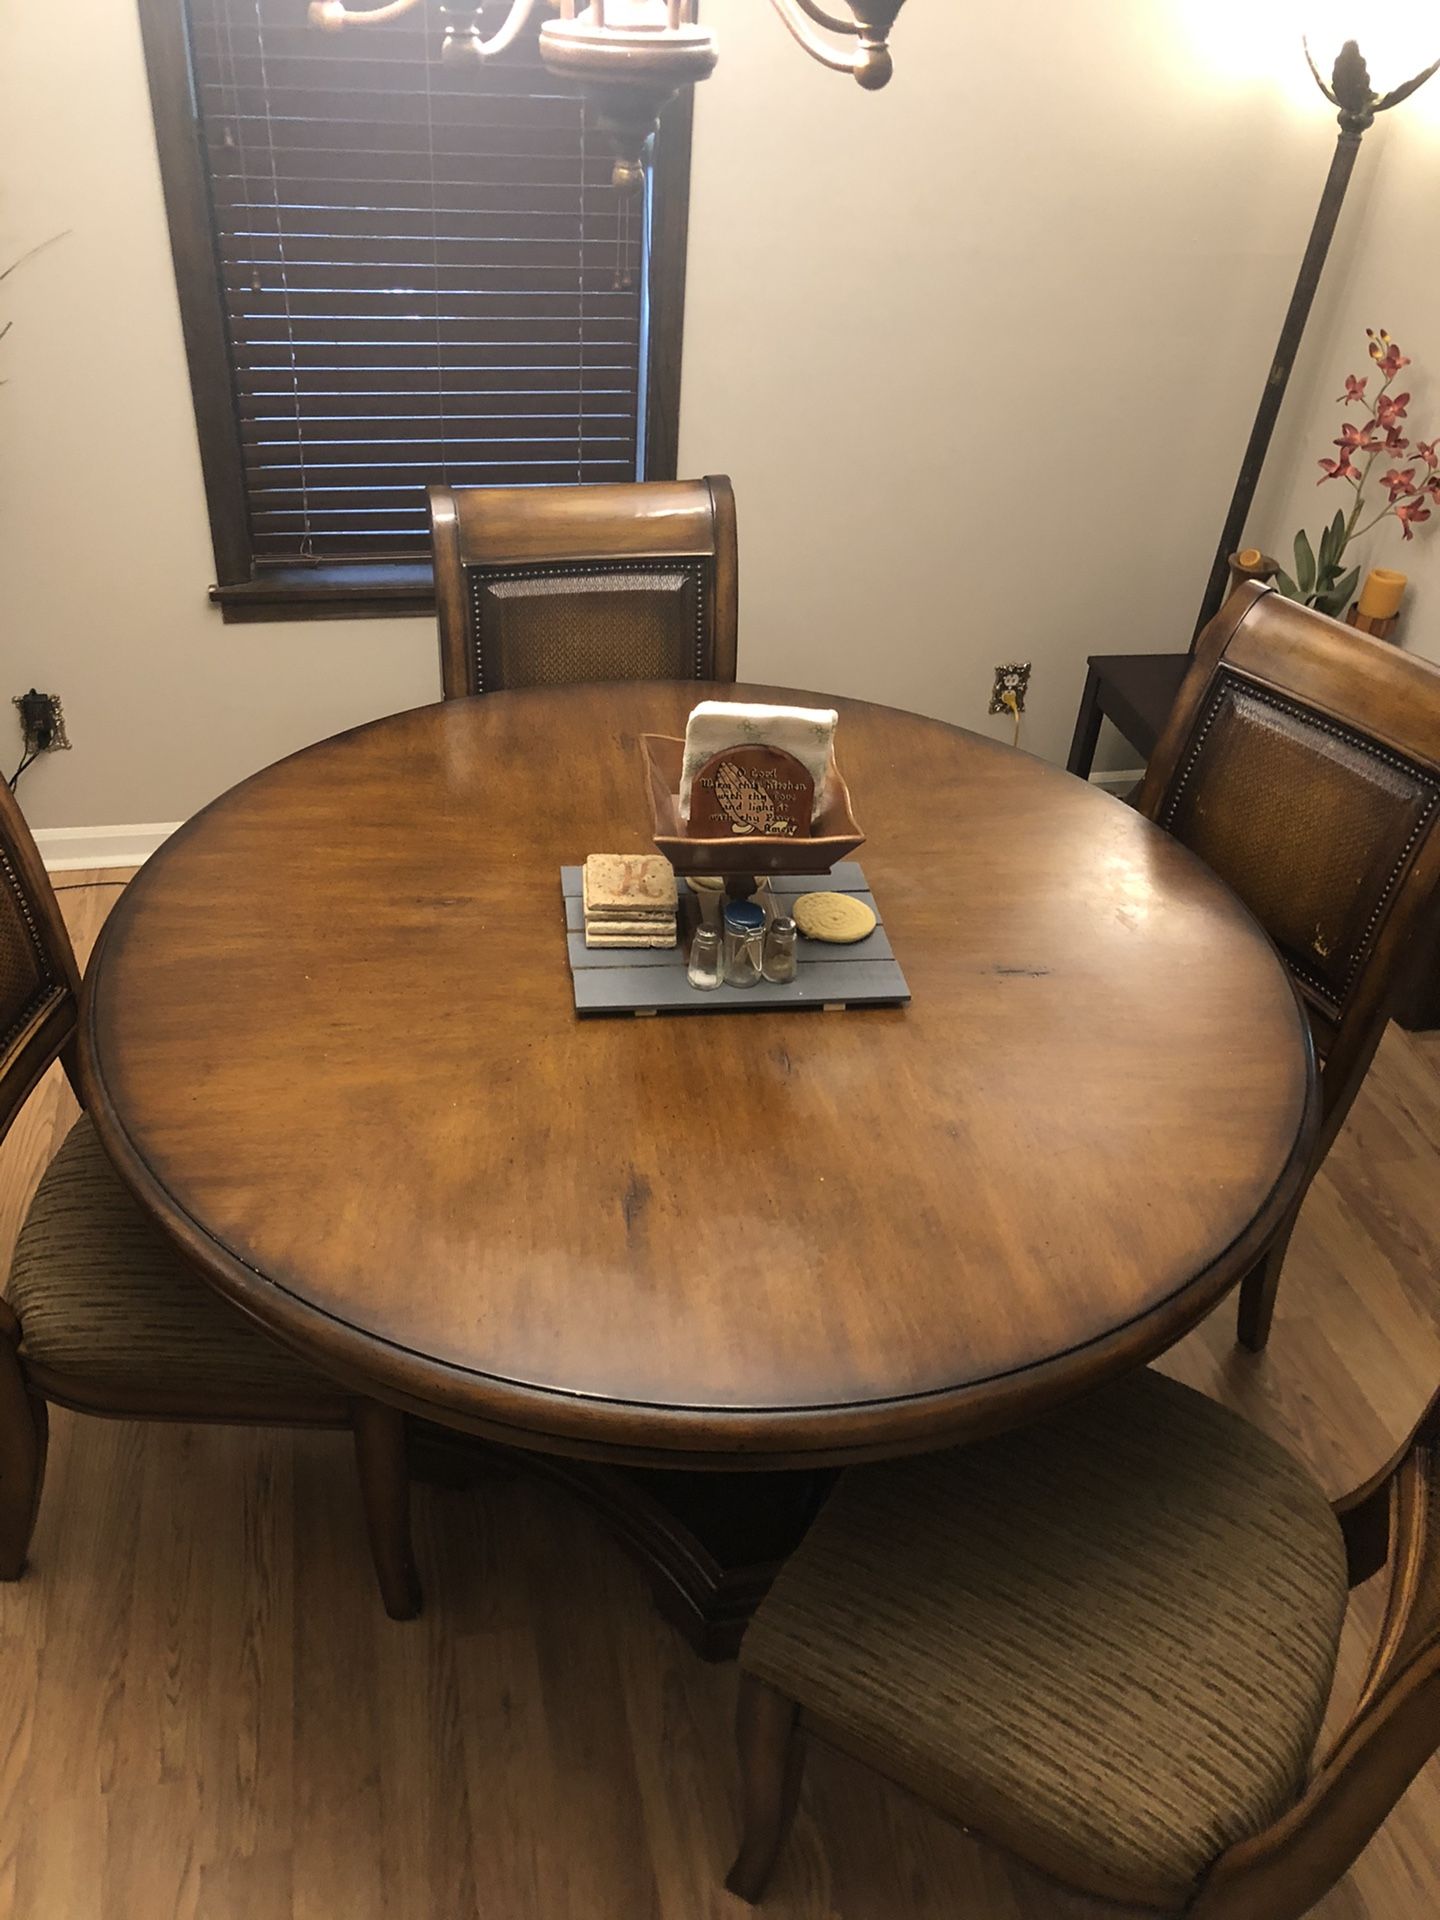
(1321, 578)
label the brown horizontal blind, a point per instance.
(427, 275)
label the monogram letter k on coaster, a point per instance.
(629, 900)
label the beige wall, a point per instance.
(979, 352)
(104, 545)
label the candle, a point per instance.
(1251, 564)
(1382, 593)
(1377, 611)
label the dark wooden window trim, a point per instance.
(669, 241)
(385, 588)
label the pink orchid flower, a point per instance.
(1355, 439)
(1384, 352)
(1410, 514)
(1410, 486)
(1340, 469)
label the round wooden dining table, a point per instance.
(330, 1044)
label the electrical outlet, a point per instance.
(42, 722)
(1012, 677)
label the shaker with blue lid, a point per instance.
(744, 943)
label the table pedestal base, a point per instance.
(709, 1543)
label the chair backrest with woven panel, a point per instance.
(1394, 1728)
(39, 981)
(1302, 763)
(550, 586)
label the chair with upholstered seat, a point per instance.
(1302, 763)
(1106, 1645)
(101, 1314)
(550, 586)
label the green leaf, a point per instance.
(1335, 602)
(1333, 542)
(1304, 562)
(1286, 585)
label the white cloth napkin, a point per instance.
(807, 732)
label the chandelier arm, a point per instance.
(515, 22)
(830, 20)
(817, 48)
(333, 13)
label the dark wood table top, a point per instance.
(330, 1043)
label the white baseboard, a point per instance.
(66, 849)
(1118, 780)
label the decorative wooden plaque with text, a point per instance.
(751, 790)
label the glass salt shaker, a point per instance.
(779, 961)
(744, 943)
(705, 968)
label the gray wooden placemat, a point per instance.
(641, 980)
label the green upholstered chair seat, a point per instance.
(104, 1301)
(1105, 1643)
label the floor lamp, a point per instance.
(1349, 88)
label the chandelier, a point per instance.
(628, 57)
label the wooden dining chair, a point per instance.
(101, 1314)
(549, 586)
(1106, 1644)
(1302, 764)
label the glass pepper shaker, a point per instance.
(779, 961)
(706, 963)
(744, 943)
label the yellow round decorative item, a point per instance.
(838, 918)
(705, 882)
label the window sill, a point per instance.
(386, 589)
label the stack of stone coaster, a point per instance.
(629, 900)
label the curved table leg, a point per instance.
(709, 1543)
(772, 1760)
(380, 1456)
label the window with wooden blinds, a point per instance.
(396, 270)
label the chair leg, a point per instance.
(772, 1760)
(24, 1438)
(1087, 728)
(385, 1490)
(1258, 1290)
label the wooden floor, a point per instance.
(203, 1710)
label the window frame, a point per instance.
(358, 589)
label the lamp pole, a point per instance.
(1350, 90)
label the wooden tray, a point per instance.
(836, 832)
(645, 980)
